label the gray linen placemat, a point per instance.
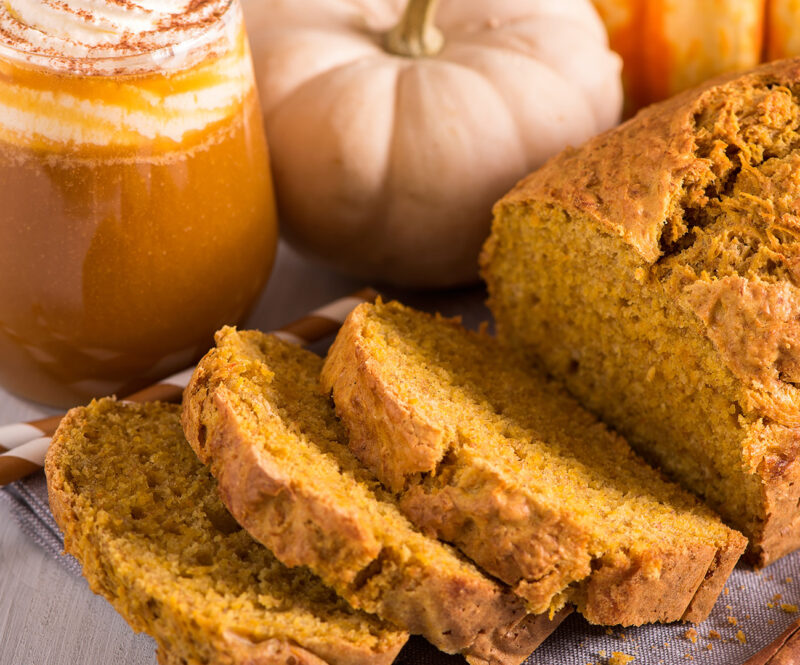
(751, 604)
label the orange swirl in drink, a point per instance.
(137, 208)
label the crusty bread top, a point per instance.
(143, 517)
(704, 189)
(255, 412)
(627, 177)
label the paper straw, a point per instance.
(27, 443)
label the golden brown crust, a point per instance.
(628, 181)
(498, 524)
(506, 646)
(244, 652)
(624, 178)
(456, 610)
(622, 590)
(715, 577)
(396, 442)
(83, 539)
(780, 472)
(389, 438)
(269, 652)
(265, 499)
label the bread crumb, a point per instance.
(713, 635)
(732, 621)
(741, 587)
(726, 591)
(709, 646)
(609, 631)
(771, 622)
(789, 609)
(777, 597)
(788, 580)
(740, 636)
(691, 634)
(602, 653)
(619, 658)
(770, 605)
(688, 656)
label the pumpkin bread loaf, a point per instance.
(255, 412)
(502, 463)
(655, 272)
(143, 517)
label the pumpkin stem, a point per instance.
(416, 36)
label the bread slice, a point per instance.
(254, 411)
(143, 517)
(656, 272)
(502, 463)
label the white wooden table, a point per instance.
(48, 616)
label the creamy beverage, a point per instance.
(137, 212)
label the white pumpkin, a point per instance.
(386, 166)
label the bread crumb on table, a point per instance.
(789, 609)
(691, 635)
(619, 658)
(740, 636)
(713, 635)
(732, 621)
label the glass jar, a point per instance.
(137, 211)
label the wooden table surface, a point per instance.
(47, 615)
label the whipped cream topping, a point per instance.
(92, 30)
(38, 107)
(120, 51)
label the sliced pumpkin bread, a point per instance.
(502, 463)
(255, 412)
(656, 272)
(143, 517)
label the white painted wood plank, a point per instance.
(49, 617)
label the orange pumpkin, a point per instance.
(670, 45)
(783, 29)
